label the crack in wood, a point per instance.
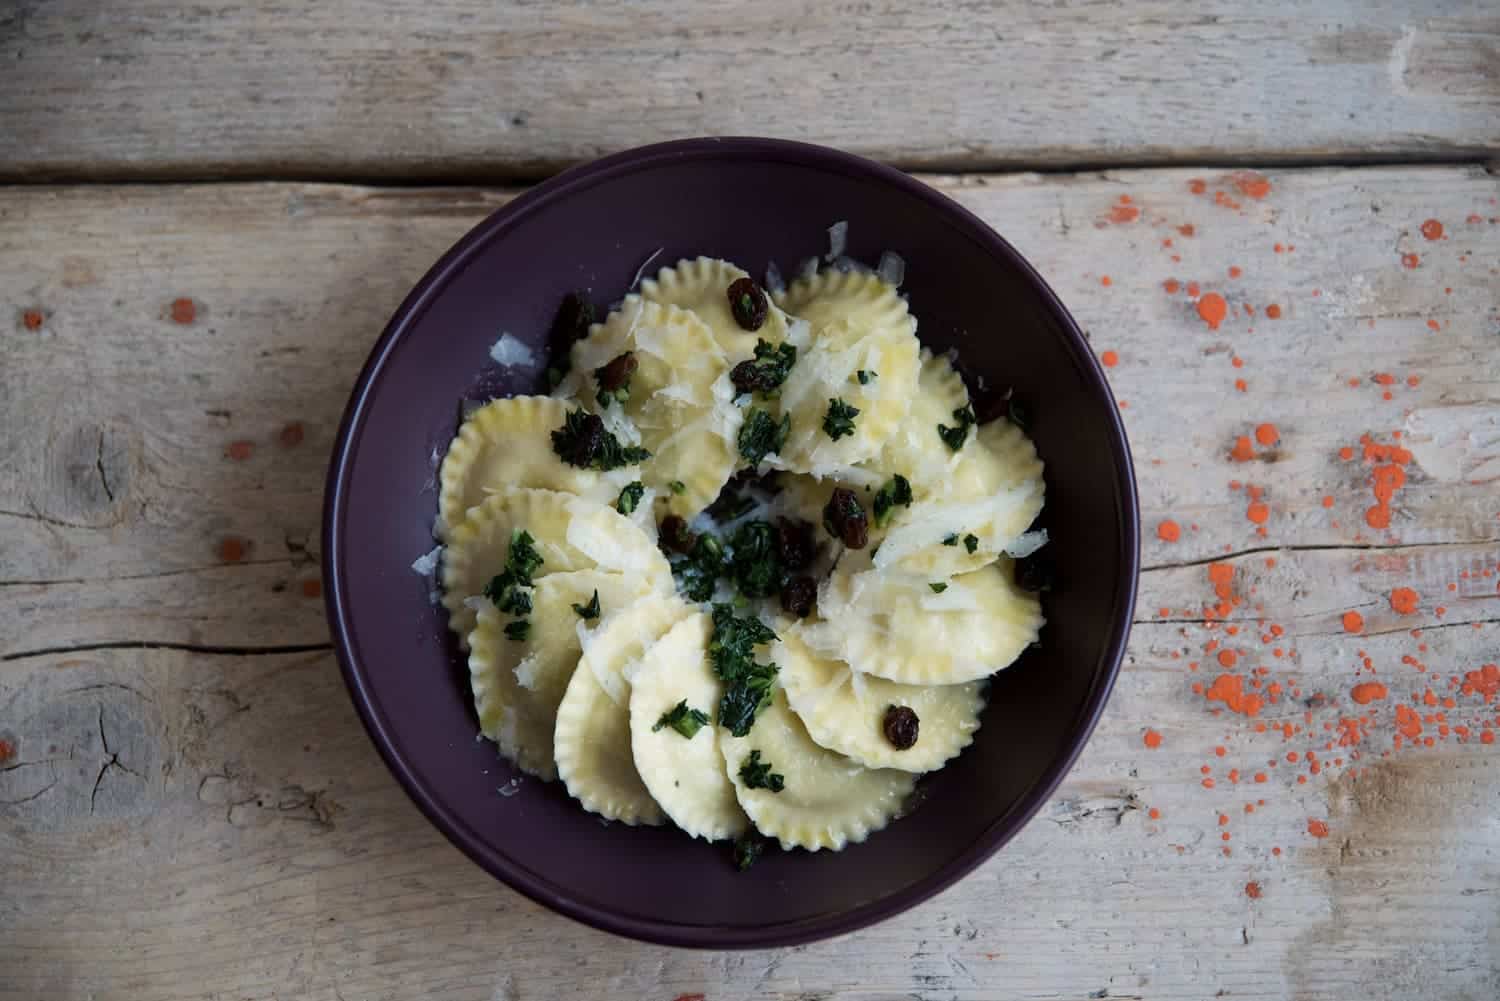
(99, 465)
(28, 799)
(1315, 548)
(227, 651)
(113, 578)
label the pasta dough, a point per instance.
(681, 399)
(570, 533)
(507, 443)
(827, 801)
(592, 738)
(701, 286)
(896, 626)
(518, 684)
(858, 323)
(845, 712)
(685, 776)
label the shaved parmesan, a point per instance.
(838, 237)
(426, 565)
(511, 352)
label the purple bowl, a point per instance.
(751, 201)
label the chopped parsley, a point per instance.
(683, 719)
(839, 421)
(630, 497)
(766, 372)
(582, 441)
(896, 491)
(865, 376)
(699, 570)
(614, 379)
(955, 437)
(951, 540)
(677, 487)
(971, 542)
(747, 848)
(760, 435)
(505, 589)
(748, 686)
(755, 561)
(518, 630)
(938, 588)
(589, 611)
(757, 774)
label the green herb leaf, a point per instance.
(896, 491)
(954, 437)
(505, 589)
(518, 630)
(677, 487)
(630, 497)
(865, 377)
(971, 542)
(748, 685)
(755, 563)
(839, 421)
(951, 540)
(582, 441)
(700, 569)
(748, 848)
(589, 611)
(684, 720)
(761, 435)
(757, 774)
(938, 588)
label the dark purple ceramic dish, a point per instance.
(751, 201)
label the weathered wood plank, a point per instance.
(183, 824)
(464, 89)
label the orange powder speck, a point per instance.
(1220, 751)
(1234, 271)
(1151, 739)
(1409, 261)
(1404, 601)
(1154, 813)
(1192, 289)
(1353, 622)
(1124, 213)
(1487, 737)
(1368, 692)
(1171, 285)
(1267, 434)
(1414, 381)
(1241, 385)
(1187, 229)
(239, 451)
(1317, 828)
(1105, 281)
(1228, 658)
(1208, 783)
(1434, 325)
(1279, 249)
(1252, 185)
(1258, 512)
(1408, 722)
(1452, 586)
(1236, 361)
(1432, 229)
(1168, 531)
(1212, 309)
(32, 319)
(1328, 500)
(232, 550)
(1273, 311)
(184, 311)
(1346, 453)
(1384, 378)
(1197, 186)
(1242, 451)
(1230, 690)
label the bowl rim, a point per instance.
(558, 898)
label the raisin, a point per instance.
(901, 725)
(795, 544)
(582, 448)
(845, 519)
(574, 317)
(1035, 573)
(748, 303)
(675, 535)
(749, 377)
(798, 596)
(618, 372)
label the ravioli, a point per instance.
(897, 626)
(570, 533)
(859, 324)
(684, 775)
(680, 398)
(701, 286)
(592, 738)
(845, 711)
(507, 443)
(518, 683)
(827, 800)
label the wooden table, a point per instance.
(188, 805)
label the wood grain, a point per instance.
(191, 809)
(464, 89)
